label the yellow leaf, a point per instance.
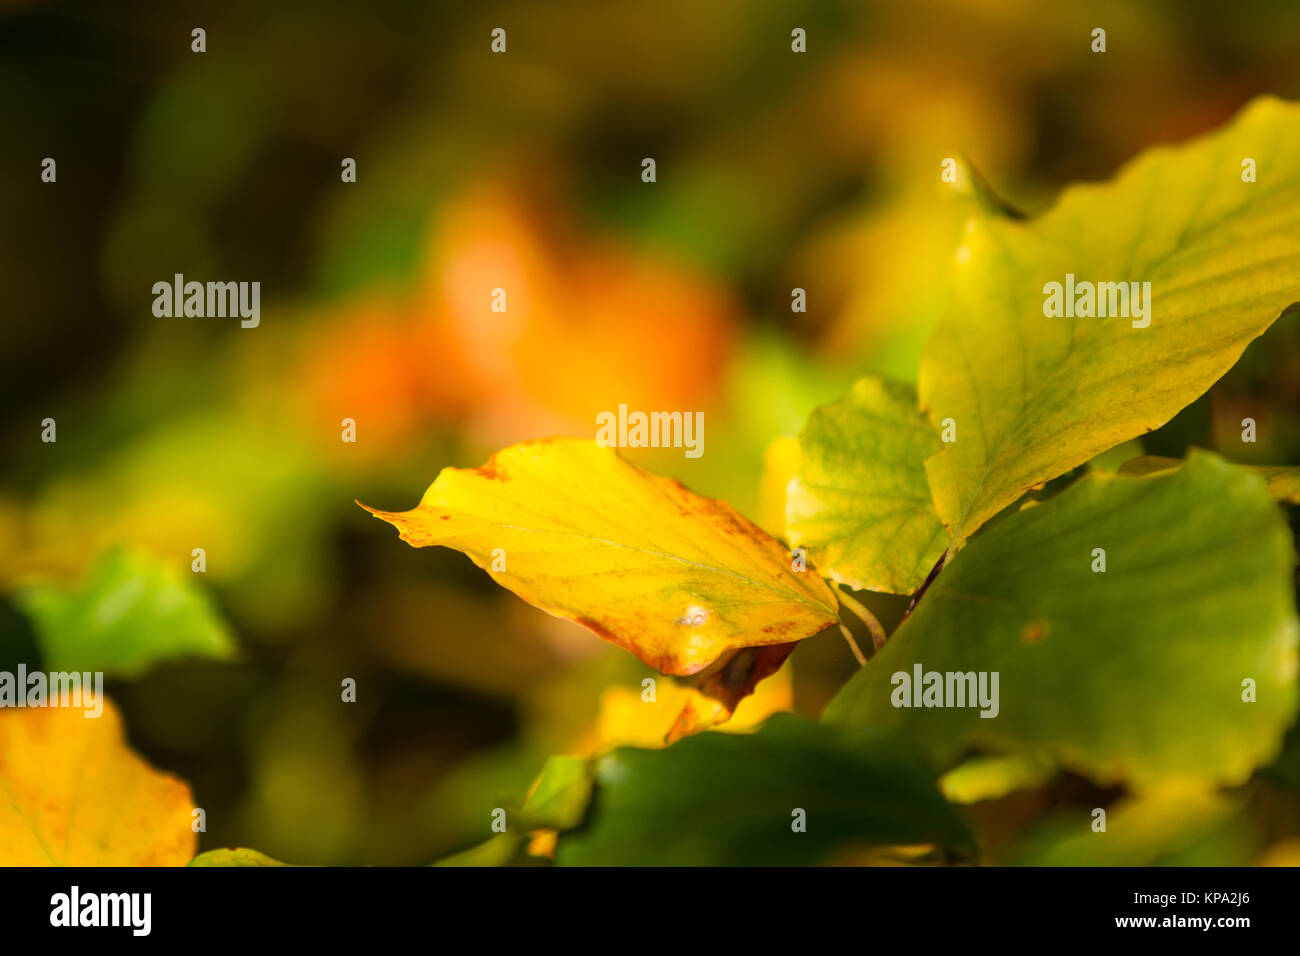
(719, 692)
(685, 583)
(1027, 395)
(74, 794)
(627, 719)
(1283, 482)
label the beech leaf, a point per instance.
(1141, 629)
(1030, 396)
(684, 582)
(1283, 480)
(72, 793)
(860, 502)
(794, 793)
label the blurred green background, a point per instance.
(521, 170)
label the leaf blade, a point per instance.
(1035, 396)
(683, 582)
(76, 795)
(128, 614)
(730, 799)
(860, 501)
(1132, 674)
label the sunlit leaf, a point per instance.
(860, 502)
(683, 582)
(628, 719)
(74, 794)
(1032, 396)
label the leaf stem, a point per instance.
(934, 573)
(867, 618)
(853, 646)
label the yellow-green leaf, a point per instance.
(1031, 396)
(983, 777)
(559, 799)
(860, 503)
(72, 793)
(681, 581)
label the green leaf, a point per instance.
(860, 504)
(1283, 480)
(731, 799)
(1033, 396)
(240, 856)
(1135, 673)
(560, 798)
(130, 613)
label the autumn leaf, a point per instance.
(76, 795)
(860, 502)
(685, 583)
(628, 719)
(1031, 396)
